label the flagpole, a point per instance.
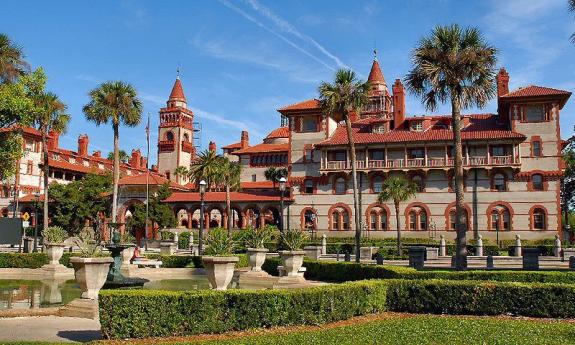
(147, 182)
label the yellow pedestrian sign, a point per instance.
(26, 216)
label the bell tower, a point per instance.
(380, 101)
(175, 135)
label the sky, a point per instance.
(240, 60)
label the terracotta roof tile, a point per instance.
(258, 185)
(534, 91)
(154, 179)
(233, 146)
(264, 148)
(177, 91)
(375, 75)
(281, 132)
(481, 127)
(221, 197)
(309, 104)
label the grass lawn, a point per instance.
(400, 329)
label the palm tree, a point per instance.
(116, 102)
(571, 4)
(51, 116)
(12, 64)
(206, 168)
(458, 65)
(229, 175)
(181, 172)
(345, 96)
(122, 154)
(397, 189)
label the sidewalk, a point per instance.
(49, 328)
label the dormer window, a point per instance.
(379, 128)
(535, 113)
(56, 156)
(309, 124)
(416, 126)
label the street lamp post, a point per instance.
(282, 182)
(497, 230)
(37, 196)
(201, 235)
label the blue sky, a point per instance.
(241, 60)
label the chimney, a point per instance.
(398, 103)
(83, 145)
(136, 159)
(97, 154)
(212, 146)
(53, 140)
(245, 140)
(502, 82)
(155, 168)
(144, 163)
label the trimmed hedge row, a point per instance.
(350, 271)
(19, 260)
(181, 261)
(148, 313)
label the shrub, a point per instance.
(184, 240)
(257, 237)
(148, 313)
(182, 261)
(54, 234)
(18, 260)
(167, 235)
(293, 239)
(219, 243)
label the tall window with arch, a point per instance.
(500, 218)
(418, 218)
(499, 182)
(538, 219)
(537, 182)
(169, 136)
(377, 219)
(452, 217)
(339, 219)
(309, 220)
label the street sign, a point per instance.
(26, 216)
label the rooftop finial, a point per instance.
(178, 72)
(375, 54)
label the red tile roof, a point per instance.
(481, 127)
(178, 91)
(25, 129)
(258, 185)
(77, 167)
(534, 91)
(375, 75)
(264, 148)
(310, 104)
(221, 197)
(281, 132)
(154, 179)
(31, 198)
(233, 146)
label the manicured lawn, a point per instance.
(404, 329)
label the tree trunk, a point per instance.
(356, 210)
(461, 241)
(397, 219)
(46, 172)
(229, 209)
(116, 174)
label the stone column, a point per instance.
(442, 251)
(324, 244)
(518, 251)
(557, 246)
(479, 246)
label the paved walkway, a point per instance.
(49, 328)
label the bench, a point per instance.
(282, 271)
(147, 263)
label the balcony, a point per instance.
(166, 146)
(422, 163)
(187, 146)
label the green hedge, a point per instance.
(147, 313)
(181, 261)
(481, 298)
(349, 271)
(19, 260)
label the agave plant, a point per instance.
(127, 238)
(257, 237)
(293, 239)
(219, 243)
(90, 245)
(54, 234)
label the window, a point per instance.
(499, 182)
(418, 182)
(373, 221)
(535, 113)
(498, 151)
(500, 218)
(452, 219)
(309, 124)
(377, 219)
(29, 168)
(537, 182)
(170, 136)
(416, 126)
(308, 186)
(309, 218)
(539, 219)
(536, 148)
(335, 221)
(416, 153)
(417, 219)
(377, 155)
(253, 177)
(168, 175)
(340, 185)
(308, 155)
(339, 219)
(377, 184)
(339, 156)
(379, 128)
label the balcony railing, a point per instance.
(166, 145)
(422, 163)
(187, 146)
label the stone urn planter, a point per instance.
(257, 257)
(54, 252)
(292, 261)
(220, 270)
(91, 274)
(168, 248)
(127, 255)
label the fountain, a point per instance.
(115, 277)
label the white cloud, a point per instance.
(222, 120)
(152, 98)
(88, 78)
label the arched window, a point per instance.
(538, 219)
(339, 219)
(340, 186)
(418, 180)
(452, 217)
(377, 183)
(377, 219)
(335, 224)
(499, 182)
(500, 218)
(537, 182)
(309, 219)
(417, 218)
(169, 136)
(186, 137)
